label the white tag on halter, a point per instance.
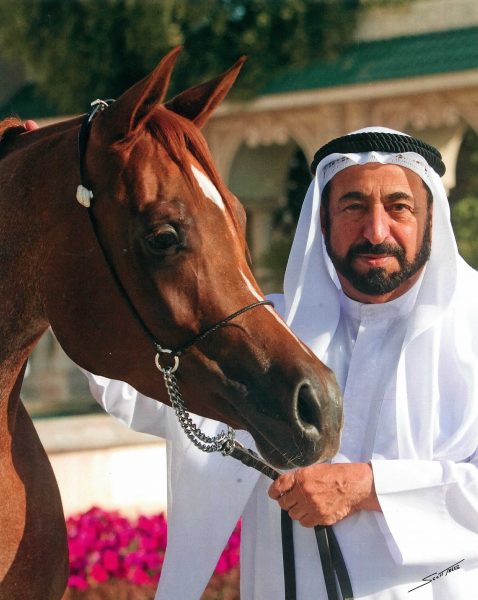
(84, 196)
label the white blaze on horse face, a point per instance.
(305, 348)
(251, 288)
(275, 315)
(208, 188)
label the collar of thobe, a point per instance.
(394, 309)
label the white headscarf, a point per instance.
(438, 367)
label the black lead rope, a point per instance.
(331, 557)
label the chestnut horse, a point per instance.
(173, 236)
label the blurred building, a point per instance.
(412, 67)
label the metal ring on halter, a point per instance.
(98, 106)
(158, 364)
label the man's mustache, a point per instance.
(368, 248)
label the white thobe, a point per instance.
(389, 554)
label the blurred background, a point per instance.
(316, 70)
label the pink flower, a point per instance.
(222, 565)
(78, 582)
(110, 560)
(104, 546)
(153, 560)
(99, 573)
(139, 576)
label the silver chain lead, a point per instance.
(222, 442)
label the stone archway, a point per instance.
(261, 177)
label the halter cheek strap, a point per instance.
(84, 196)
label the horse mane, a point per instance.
(179, 136)
(10, 128)
(175, 133)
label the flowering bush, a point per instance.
(112, 557)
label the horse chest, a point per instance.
(34, 556)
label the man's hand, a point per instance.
(323, 494)
(30, 125)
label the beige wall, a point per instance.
(415, 17)
(99, 462)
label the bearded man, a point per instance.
(375, 286)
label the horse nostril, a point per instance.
(308, 408)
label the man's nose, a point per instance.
(376, 229)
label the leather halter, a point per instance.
(100, 106)
(333, 564)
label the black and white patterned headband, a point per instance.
(378, 141)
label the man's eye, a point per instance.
(399, 207)
(354, 207)
(162, 238)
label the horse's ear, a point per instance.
(134, 107)
(198, 103)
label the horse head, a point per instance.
(168, 244)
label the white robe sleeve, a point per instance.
(134, 410)
(429, 509)
(206, 492)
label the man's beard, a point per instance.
(376, 281)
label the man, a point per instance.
(376, 288)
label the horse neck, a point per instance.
(12, 373)
(29, 211)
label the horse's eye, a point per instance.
(162, 238)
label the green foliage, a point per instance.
(77, 50)
(466, 168)
(464, 199)
(274, 34)
(464, 216)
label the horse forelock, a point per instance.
(180, 138)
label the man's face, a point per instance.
(377, 230)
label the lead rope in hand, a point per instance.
(331, 558)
